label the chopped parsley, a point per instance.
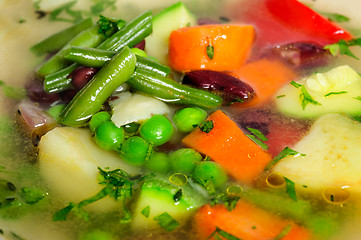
(336, 17)
(117, 184)
(70, 14)
(257, 137)
(304, 96)
(219, 234)
(286, 230)
(281, 96)
(146, 211)
(343, 47)
(206, 126)
(284, 153)
(290, 189)
(101, 5)
(107, 25)
(210, 51)
(335, 93)
(358, 98)
(166, 221)
(31, 195)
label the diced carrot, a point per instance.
(227, 145)
(266, 77)
(231, 46)
(246, 222)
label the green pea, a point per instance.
(158, 162)
(186, 119)
(131, 128)
(108, 136)
(157, 130)
(135, 150)
(184, 160)
(98, 119)
(55, 110)
(210, 171)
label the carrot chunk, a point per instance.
(227, 145)
(266, 77)
(246, 222)
(210, 47)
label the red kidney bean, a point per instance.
(228, 87)
(81, 76)
(36, 93)
(140, 45)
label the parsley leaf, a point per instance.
(146, 211)
(206, 126)
(107, 25)
(178, 195)
(304, 96)
(336, 17)
(31, 195)
(358, 98)
(166, 221)
(290, 189)
(210, 51)
(73, 16)
(257, 133)
(220, 233)
(257, 137)
(284, 232)
(101, 5)
(342, 47)
(335, 93)
(284, 153)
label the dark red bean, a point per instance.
(229, 87)
(81, 76)
(303, 54)
(140, 45)
(36, 93)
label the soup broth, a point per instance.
(24, 23)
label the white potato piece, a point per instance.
(69, 161)
(135, 107)
(332, 160)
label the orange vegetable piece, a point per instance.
(246, 222)
(231, 44)
(266, 77)
(227, 145)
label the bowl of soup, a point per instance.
(203, 119)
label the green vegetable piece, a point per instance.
(146, 211)
(108, 136)
(12, 91)
(186, 119)
(336, 17)
(158, 162)
(90, 99)
(97, 235)
(131, 34)
(185, 160)
(210, 171)
(31, 195)
(157, 129)
(59, 81)
(131, 128)
(284, 232)
(135, 150)
(168, 90)
(219, 233)
(55, 110)
(138, 52)
(210, 51)
(59, 39)
(343, 47)
(284, 153)
(166, 221)
(74, 15)
(290, 189)
(97, 119)
(106, 25)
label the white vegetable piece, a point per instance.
(135, 107)
(333, 156)
(69, 161)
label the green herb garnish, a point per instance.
(304, 96)
(343, 47)
(166, 221)
(283, 233)
(257, 137)
(218, 233)
(73, 16)
(210, 51)
(290, 189)
(336, 17)
(146, 211)
(335, 93)
(31, 195)
(13, 92)
(106, 25)
(284, 153)
(358, 98)
(101, 5)
(206, 126)
(178, 195)
(281, 96)
(258, 134)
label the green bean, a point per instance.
(59, 80)
(131, 34)
(87, 38)
(59, 39)
(168, 90)
(90, 99)
(92, 57)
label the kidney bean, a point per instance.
(81, 76)
(140, 45)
